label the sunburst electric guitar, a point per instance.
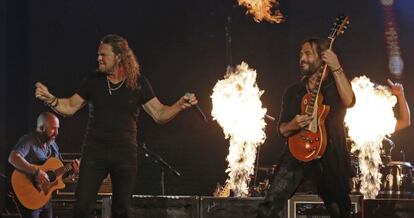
(310, 142)
(33, 195)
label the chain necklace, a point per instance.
(110, 89)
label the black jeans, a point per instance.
(120, 161)
(290, 174)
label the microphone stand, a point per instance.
(162, 163)
(402, 152)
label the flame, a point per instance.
(238, 110)
(369, 121)
(260, 9)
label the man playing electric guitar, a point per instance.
(32, 150)
(331, 171)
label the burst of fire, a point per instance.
(261, 10)
(369, 121)
(238, 110)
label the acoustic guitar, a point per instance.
(310, 142)
(33, 195)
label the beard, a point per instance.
(107, 70)
(312, 68)
(47, 139)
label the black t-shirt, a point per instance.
(113, 117)
(336, 156)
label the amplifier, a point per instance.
(158, 206)
(60, 196)
(10, 215)
(71, 182)
(304, 206)
(231, 207)
(386, 208)
(63, 208)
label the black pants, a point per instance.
(291, 173)
(120, 162)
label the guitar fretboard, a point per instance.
(63, 170)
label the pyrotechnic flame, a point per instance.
(238, 110)
(369, 121)
(260, 9)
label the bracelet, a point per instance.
(54, 102)
(338, 70)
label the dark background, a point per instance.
(181, 46)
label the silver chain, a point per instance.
(110, 89)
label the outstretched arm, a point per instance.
(163, 113)
(404, 120)
(63, 106)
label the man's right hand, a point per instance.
(43, 93)
(42, 177)
(300, 121)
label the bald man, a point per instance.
(34, 149)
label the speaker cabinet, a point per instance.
(388, 208)
(231, 207)
(63, 208)
(158, 206)
(300, 206)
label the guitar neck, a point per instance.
(64, 169)
(315, 91)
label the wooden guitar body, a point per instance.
(33, 195)
(310, 143)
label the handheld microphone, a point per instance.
(197, 108)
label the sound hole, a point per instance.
(51, 175)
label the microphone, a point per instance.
(2, 175)
(197, 109)
(270, 117)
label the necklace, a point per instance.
(110, 89)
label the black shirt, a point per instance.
(113, 117)
(336, 156)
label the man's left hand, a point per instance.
(330, 58)
(75, 166)
(397, 89)
(188, 100)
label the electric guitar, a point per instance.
(33, 195)
(310, 142)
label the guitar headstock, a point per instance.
(340, 24)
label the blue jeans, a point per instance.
(120, 161)
(43, 212)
